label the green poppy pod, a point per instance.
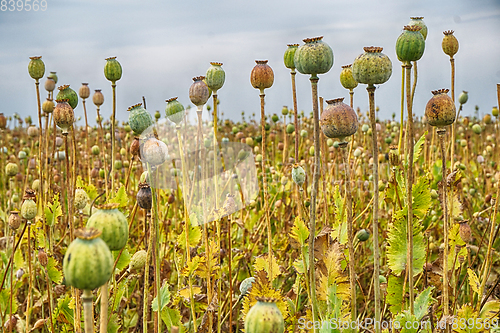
(112, 69)
(449, 43)
(215, 76)
(264, 317)
(36, 67)
(440, 109)
(113, 225)
(139, 118)
(346, 78)
(419, 20)
(410, 45)
(289, 56)
(53, 76)
(174, 110)
(65, 92)
(314, 57)
(29, 208)
(88, 262)
(372, 67)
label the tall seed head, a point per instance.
(372, 67)
(198, 92)
(112, 69)
(449, 43)
(215, 76)
(346, 78)
(36, 67)
(84, 91)
(262, 76)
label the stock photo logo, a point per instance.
(216, 179)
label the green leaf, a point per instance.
(171, 317)
(54, 273)
(114, 323)
(422, 301)
(395, 293)
(120, 197)
(124, 259)
(299, 231)
(404, 318)
(53, 211)
(64, 310)
(490, 309)
(473, 280)
(192, 265)
(5, 302)
(164, 296)
(417, 149)
(194, 237)
(121, 289)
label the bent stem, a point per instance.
(350, 233)
(314, 192)
(441, 132)
(376, 250)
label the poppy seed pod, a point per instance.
(3, 121)
(113, 225)
(48, 105)
(372, 67)
(314, 57)
(338, 120)
(84, 91)
(135, 147)
(289, 56)
(215, 76)
(81, 198)
(144, 196)
(420, 22)
(346, 78)
(112, 69)
(262, 76)
(440, 109)
(463, 97)
(139, 118)
(465, 231)
(174, 110)
(298, 175)
(36, 67)
(50, 84)
(28, 208)
(53, 76)
(198, 92)
(410, 45)
(154, 151)
(14, 220)
(65, 92)
(63, 115)
(98, 97)
(264, 317)
(449, 43)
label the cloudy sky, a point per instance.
(163, 44)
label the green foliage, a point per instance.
(300, 232)
(165, 298)
(54, 273)
(395, 293)
(53, 211)
(120, 197)
(123, 260)
(194, 237)
(422, 302)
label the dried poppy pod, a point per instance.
(440, 110)
(50, 84)
(465, 231)
(84, 91)
(14, 220)
(338, 120)
(98, 97)
(135, 147)
(63, 115)
(144, 196)
(262, 76)
(198, 92)
(449, 43)
(3, 121)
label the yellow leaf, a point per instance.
(262, 264)
(473, 280)
(184, 292)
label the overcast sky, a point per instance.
(161, 45)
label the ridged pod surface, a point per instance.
(65, 92)
(84, 91)
(372, 67)
(113, 225)
(440, 110)
(112, 69)
(198, 92)
(264, 317)
(28, 208)
(215, 76)
(289, 56)
(262, 75)
(36, 67)
(449, 43)
(298, 175)
(174, 110)
(314, 57)
(88, 262)
(346, 78)
(338, 120)
(419, 20)
(410, 45)
(139, 118)
(63, 115)
(144, 196)
(98, 97)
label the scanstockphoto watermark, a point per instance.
(366, 324)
